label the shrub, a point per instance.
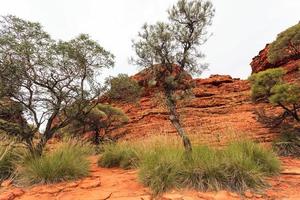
(120, 155)
(288, 144)
(124, 88)
(269, 85)
(263, 82)
(286, 45)
(66, 162)
(285, 94)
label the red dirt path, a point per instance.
(118, 184)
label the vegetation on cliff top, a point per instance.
(286, 45)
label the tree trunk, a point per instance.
(174, 118)
(38, 150)
(96, 136)
(42, 143)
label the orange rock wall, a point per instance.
(221, 108)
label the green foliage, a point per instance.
(112, 112)
(176, 41)
(120, 155)
(9, 108)
(8, 155)
(123, 88)
(238, 167)
(169, 49)
(263, 82)
(287, 44)
(163, 166)
(101, 116)
(285, 93)
(67, 162)
(55, 76)
(288, 144)
(160, 169)
(264, 159)
(269, 85)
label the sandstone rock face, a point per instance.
(261, 63)
(221, 108)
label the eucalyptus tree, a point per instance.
(54, 81)
(171, 50)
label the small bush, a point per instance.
(288, 144)
(68, 161)
(119, 155)
(124, 88)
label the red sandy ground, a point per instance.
(118, 184)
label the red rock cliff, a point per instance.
(261, 63)
(221, 105)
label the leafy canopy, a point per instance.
(170, 49)
(49, 77)
(263, 82)
(176, 41)
(101, 116)
(269, 85)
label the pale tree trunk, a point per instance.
(38, 150)
(174, 118)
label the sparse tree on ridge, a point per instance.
(286, 45)
(171, 50)
(54, 82)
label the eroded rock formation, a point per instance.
(261, 63)
(221, 107)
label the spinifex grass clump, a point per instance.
(68, 161)
(239, 166)
(163, 166)
(119, 155)
(8, 155)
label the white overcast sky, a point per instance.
(240, 28)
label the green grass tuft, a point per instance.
(163, 166)
(235, 168)
(8, 154)
(120, 155)
(68, 161)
